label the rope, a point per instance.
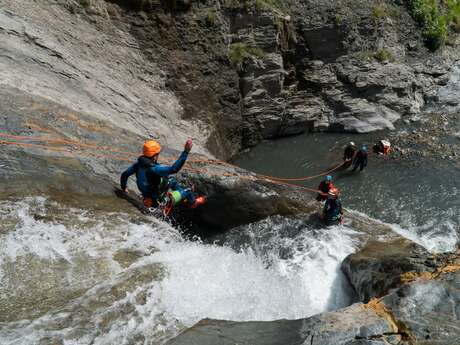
(260, 177)
(307, 177)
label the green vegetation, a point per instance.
(258, 5)
(239, 52)
(454, 14)
(337, 19)
(383, 55)
(270, 5)
(383, 10)
(85, 3)
(435, 18)
(210, 19)
(380, 11)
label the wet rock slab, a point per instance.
(428, 311)
(75, 156)
(381, 266)
(421, 290)
(352, 325)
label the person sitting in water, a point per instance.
(349, 154)
(152, 177)
(324, 188)
(332, 210)
(360, 159)
(383, 147)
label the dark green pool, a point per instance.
(419, 197)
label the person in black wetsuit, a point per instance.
(324, 188)
(332, 210)
(360, 159)
(349, 154)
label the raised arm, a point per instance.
(165, 170)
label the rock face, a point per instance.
(345, 66)
(53, 150)
(381, 266)
(91, 70)
(164, 69)
(426, 288)
(352, 325)
(427, 311)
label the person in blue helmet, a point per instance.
(154, 181)
(324, 188)
(360, 159)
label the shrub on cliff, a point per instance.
(257, 5)
(435, 19)
(240, 51)
(383, 54)
(271, 5)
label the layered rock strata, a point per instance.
(227, 73)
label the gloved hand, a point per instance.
(188, 145)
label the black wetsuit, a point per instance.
(360, 160)
(332, 211)
(349, 152)
(324, 187)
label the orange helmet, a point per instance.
(333, 193)
(151, 148)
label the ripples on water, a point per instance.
(420, 199)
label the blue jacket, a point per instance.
(361, 157)
(149, 174)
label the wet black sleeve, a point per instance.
(126, 174)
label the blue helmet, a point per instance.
(329, 178)
(364, 148)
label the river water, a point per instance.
(75, 276)
(419, 198)
(79, 276)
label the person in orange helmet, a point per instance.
(154, 181)
(332, 211)
(324, 187)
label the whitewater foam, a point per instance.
(285, 277)
(434, 235)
